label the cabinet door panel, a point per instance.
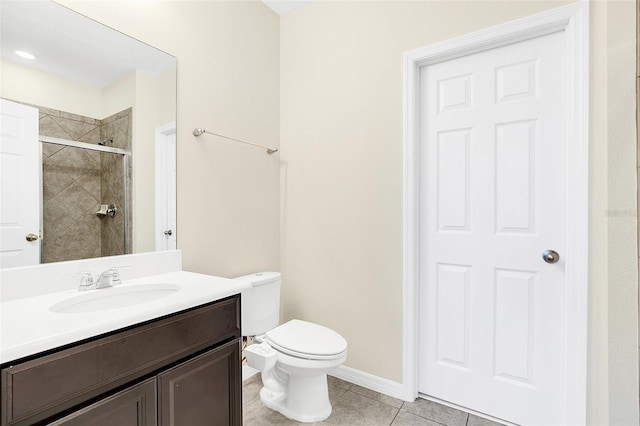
(203, 391)
(135, 406)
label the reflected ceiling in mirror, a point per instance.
(91, 84)
(73, 46)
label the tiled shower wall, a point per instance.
(117, 127)
(74, 182)
(70, 188)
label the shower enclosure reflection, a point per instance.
(85, 170)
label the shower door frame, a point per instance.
(93, 147)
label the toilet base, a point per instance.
(305, 400)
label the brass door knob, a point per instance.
(31, 237)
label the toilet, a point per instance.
(294, 358)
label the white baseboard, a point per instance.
(248, 372)
(369, 381)
(357, 377)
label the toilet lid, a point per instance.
(307, 340)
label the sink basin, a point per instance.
(114, 298)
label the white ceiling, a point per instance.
(283, 6)
(73, 46)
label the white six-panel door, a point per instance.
(19, 185)
(492, 200)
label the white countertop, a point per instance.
(29, 326)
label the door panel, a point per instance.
(19, 185)
(134, 406)
(492, 199)
(211, 378)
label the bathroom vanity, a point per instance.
(173, 360)
(185, 368)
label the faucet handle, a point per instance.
(86, 280)
(108, 278)
(115, 275)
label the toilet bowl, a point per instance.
(294, 358)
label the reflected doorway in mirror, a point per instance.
(166, 187)
(20, 182)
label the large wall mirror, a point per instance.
(105, 108)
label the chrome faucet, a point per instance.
(108, 278)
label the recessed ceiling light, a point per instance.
(25, 55)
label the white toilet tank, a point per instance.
(261, 303)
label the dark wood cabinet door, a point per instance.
(134, 406)
(205, 391)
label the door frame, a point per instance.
(162, 134)
(573, 19)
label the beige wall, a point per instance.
(119, 95)
(622, 214)
(228, 82)
(35, 87)
(341, 138)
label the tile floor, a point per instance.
(355, 405)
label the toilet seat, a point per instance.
(302, 339)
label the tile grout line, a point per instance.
(394, 417)
(376, 400)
